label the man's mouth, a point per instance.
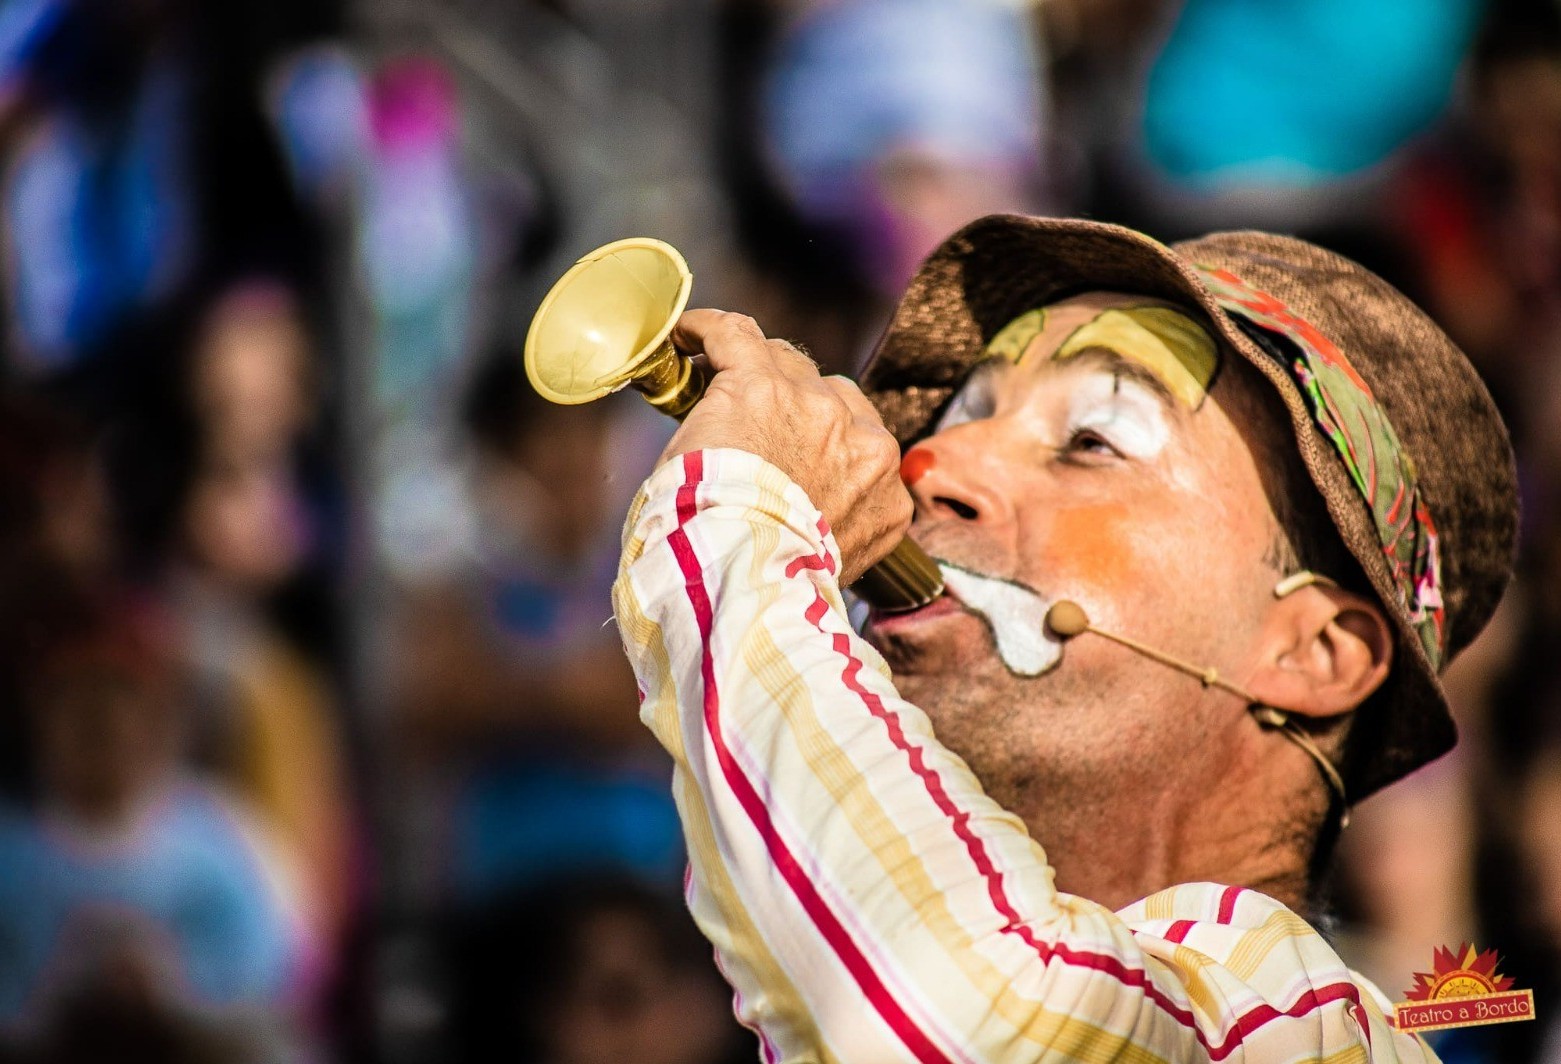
(1014, 613)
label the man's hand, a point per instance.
(767, 398)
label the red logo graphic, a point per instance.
(1462, 989)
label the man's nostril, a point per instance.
(964, 510)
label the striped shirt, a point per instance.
(866, 899)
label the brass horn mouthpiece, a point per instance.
(607, 324)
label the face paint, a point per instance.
(1179, 351)
(972, 402)
(1013, 339)
(1121, 411)
(1098, 544)
(1015, 614)
(1163, 340)
(915, 465)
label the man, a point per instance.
(1244, 453)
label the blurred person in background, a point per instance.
(228, 511)
(862, 135)
(515, 702)
(253, 387)
(98, 210)
(118, 863)
(55, 544)
(134, 162)
(596, 970)
(417, 237)
(124, 1016)
(894, 122)
(1494, 261)
(145, 916)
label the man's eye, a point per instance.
(973, 402)
(1088, 441)
(968, 405)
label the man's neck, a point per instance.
(1116, 855)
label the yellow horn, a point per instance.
(606, 324)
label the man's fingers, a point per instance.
(821, 431)
(726, 339)
(731, 341)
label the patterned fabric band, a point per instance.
(1344, 408)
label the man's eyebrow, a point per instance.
(1124, 368)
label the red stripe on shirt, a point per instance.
(1135, 978)
(820, 562)
(742, 788)
(828, 924)
(1249, 1022)
(960, 821)
(1228, 905)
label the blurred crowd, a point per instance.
(316, 741)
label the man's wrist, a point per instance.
(726, 477)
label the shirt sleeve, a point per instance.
(866, 899)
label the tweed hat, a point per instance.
(1391, 421)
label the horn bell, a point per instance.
(605, 323)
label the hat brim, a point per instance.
(1000, 266)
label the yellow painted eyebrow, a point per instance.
(1180, 353)
(1124, 368)
(1014, 338)
(1167, 342)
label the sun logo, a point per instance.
(1464, 974)
(1462, 989)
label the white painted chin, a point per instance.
(1016, 615)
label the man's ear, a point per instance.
(1324, 651)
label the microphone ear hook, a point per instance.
(1269, 717)
(1305, 578)
(1067, 619)
(1284, 723)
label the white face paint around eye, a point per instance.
(1123, 412)
(1015, 613)
(973, 401)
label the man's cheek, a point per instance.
(950, 650)
(1095, 547)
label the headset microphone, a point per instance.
(1067, 619)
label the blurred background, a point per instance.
(314, 745)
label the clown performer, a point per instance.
(1212, 519)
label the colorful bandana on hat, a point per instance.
(1343, 406)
